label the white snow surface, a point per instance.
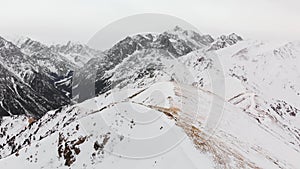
(161, 126)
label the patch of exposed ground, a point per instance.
(69, 149)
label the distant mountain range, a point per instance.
(45, 72)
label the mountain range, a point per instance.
(176, 99)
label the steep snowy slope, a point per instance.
(260, 79)
(19, 98)
(265, 76)
(266, 67)
(109, 132)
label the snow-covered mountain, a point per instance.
(76, 53)
(37, 78)
(43, 55)
(173, 43)
(225, 41)
(26, 86)
(178, 99)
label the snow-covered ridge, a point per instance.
(88, 134)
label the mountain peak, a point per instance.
(2, 42)
(235, 36)
(73, 44)
(178, 29)
(225, 40)
(31, 44)
(232, 36)
(69, 46)
(6, 44)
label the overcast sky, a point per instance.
(57, 21)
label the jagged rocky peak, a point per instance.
(235, 36)
(6, 44)
(144, 39)
(125, 46)
(137, 42)
(193, 38)
(46, 58)
(177, 29)
(25, 87)
(2, 42)
(32, 45)
(12, 56)
(73, 47)
(225, 41)
(231, 38)
(177, 41)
